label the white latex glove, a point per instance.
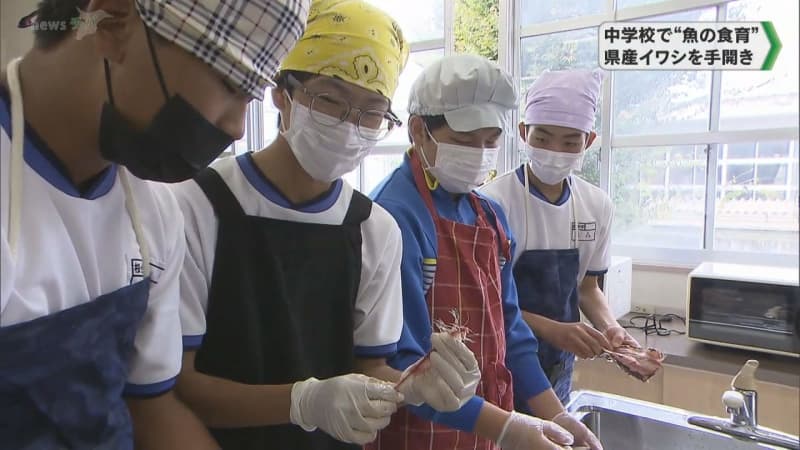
(583, 436)
(445, 381)
(352, 408)
(524, 432)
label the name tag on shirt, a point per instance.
(584, 231)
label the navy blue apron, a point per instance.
(547, 285)
(62, 375)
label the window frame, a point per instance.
(511, 34)
(608, 141)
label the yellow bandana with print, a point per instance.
(354, 41)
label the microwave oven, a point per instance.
(745, 306)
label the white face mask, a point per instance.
(459, 168)
(553, 167)
(326, 153)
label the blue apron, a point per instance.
(547, 283)
(62, 375)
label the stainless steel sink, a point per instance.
(626, 424)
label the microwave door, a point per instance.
(745, 313)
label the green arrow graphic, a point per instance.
(774, 45)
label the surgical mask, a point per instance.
(459, 168)
(553, 167)
(325, 152)
(177, 144)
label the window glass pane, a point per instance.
(270, 116)
(757, 196)
(628, 3)
(663, 102)
(764, 99)
(591, 166)
(240, 145)
(575, 49)
(420, 20)
(540, 11)
(659, 196)
(476, 27)
(378, 167)
(416, 62)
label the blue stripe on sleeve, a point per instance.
(148, 390)
(378, 351)
(464, 419)
(596, 273)
(192, 342)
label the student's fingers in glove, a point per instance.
(447, 372)
(379, 390)
(372, 424)
(596, 341)
(556, 433)
(377, 409)
(580, 347)
(437, 393)
(591, 441)
(454, 351)
(358, 437)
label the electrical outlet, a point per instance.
(643, 309)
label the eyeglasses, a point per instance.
(328, 110)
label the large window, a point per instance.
(699, 165)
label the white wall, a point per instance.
(662, 290)
(14, 41)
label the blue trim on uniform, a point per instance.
(43, 160)
(378, 351)
(192, 342)
(565, 193)
(399, 196)
(149, 390)
(273, 194)
(596, 273)
(463, 419)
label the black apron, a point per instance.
(280, 308)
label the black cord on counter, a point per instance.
(653, 324)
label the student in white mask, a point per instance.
(291, 282)
(114, 98)
(563, 224)
(455, 246)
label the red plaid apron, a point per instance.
(467, 280)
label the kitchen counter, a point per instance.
(682, 352)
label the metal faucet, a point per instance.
(741, 402)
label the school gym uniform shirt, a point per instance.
(549, 222)
(75, 246)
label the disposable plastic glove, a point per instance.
(583, 436)
(524, 432)
(446, 379)
(352, 408)
(617, 336)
